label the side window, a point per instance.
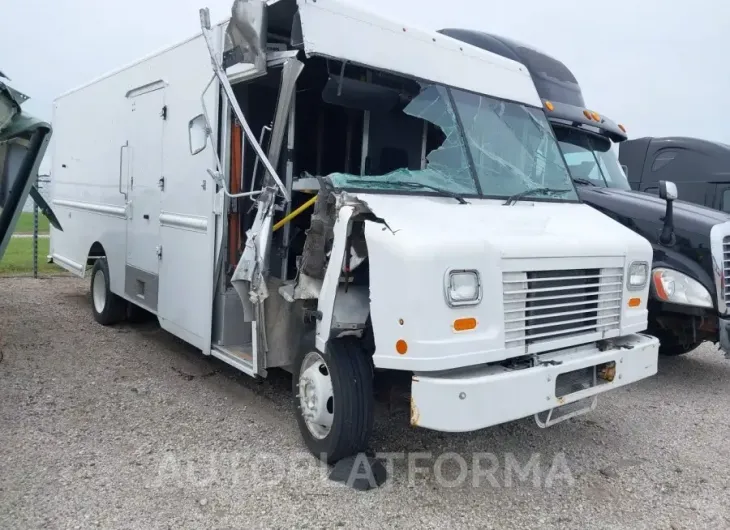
(725, 206)
(662, 159)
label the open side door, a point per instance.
(245, 58)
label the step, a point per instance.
(240, 357)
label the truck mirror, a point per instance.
(197, 134)
(625, 169)
(667, 190)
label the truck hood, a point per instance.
(524, 230)
(414, 241)
(629, 204)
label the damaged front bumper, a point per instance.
(482, 396)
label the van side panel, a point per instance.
(99, 199)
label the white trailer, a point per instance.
(314, 187)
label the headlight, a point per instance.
(672, 286)
(638, 275)
(463, 288)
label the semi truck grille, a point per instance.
(726, 269)
(541, 306)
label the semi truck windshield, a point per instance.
(591, 159)
(478, 146)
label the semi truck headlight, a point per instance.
(672, 286)
(463, 287)
(638, 275)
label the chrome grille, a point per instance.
(726, 269)
(542, 306)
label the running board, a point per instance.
(548, 418)
(240, 357)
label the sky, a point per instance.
(658, 67)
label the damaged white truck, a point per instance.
(313, 187)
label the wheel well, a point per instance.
(96, 251)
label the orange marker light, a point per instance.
(465, 324)
(549, 105)
(596, 116)
(401, 347)
(659, 286)
(634, 302)
(587, 114)
(622, 127)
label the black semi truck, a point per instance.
(691, 266)
(700, 168)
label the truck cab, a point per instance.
(286, 196)
(691, 243)
(699, 168)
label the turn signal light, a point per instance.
(465, 324)
(634, 302)
(401, 347)
(549, 106)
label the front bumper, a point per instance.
(482, 396)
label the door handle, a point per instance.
(121, 167)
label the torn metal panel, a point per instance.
(249, 276)
(289, 75)
(331, 282)
(247, 31)
(314, 254)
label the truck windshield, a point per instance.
(478, 146)
(591, 160)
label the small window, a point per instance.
(726, 200)
(662, 159)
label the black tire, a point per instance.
(136, 314)
(351, 373)
(109, 309)
(673, 348)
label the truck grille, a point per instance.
(542, 306)
(726, 269)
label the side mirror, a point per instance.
(198, 134)
(625, 169)
(668, 190)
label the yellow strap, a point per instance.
(296, 212)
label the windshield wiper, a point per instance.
(417, 185)
(585, 182)
(517, 196)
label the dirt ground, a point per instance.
(127, 427)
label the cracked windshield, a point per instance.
(476, 146)
(591, 160)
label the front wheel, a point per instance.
(333, 397)
(674, 348)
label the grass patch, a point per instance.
(18, 258)
(25, 224)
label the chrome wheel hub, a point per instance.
(316, 397)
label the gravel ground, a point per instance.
(127, 427)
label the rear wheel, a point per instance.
(107, 307)
(333, 397)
